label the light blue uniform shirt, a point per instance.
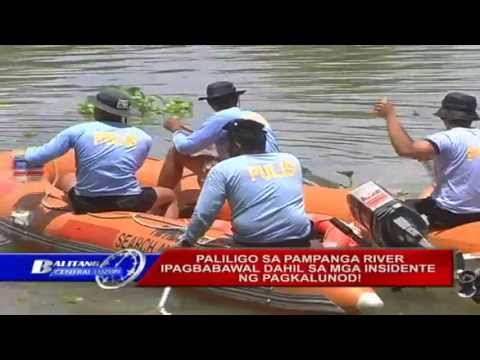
(265, 192)
(211, 132)
(457, 170)
(108, 156)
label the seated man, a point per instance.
(108, 154)
(264, 190)
(189, 148)
(455, 196)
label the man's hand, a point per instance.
(385, 108)
(403, 144)
(173, 124)
(183, 242)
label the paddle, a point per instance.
(163, 301)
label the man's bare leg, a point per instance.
(166, 203)
(66, 182)
(172, 169)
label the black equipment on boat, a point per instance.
(389, 222)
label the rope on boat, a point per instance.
(328, 232)
(136, 217)
(165, 224)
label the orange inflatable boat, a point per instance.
(34, 209)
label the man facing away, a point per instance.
(189, 148)
(108, 154)
(264, 190)
(455, 195)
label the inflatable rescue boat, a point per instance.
(32, 208)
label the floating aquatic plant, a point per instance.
(86, 109)
(5, 104)
(402, 194)
(29, 134)
(149, 106)
(349, 175)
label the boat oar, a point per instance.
(163, 301)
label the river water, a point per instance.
(317, 98)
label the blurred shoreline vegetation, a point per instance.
(153, 108)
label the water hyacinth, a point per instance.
(86, 109)
(4, 104)
(349, 174)
(402, 194)
(29, 134)
(150, 106)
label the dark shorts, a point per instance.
(440, 218)
(138, 203)
(293, 243)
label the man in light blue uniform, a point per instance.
(265, 191)
(191, 148)
(108, 154)
(455, 195)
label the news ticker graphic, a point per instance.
(302, 267)
(238, 267)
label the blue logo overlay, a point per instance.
(120, 269)
(108, 270)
